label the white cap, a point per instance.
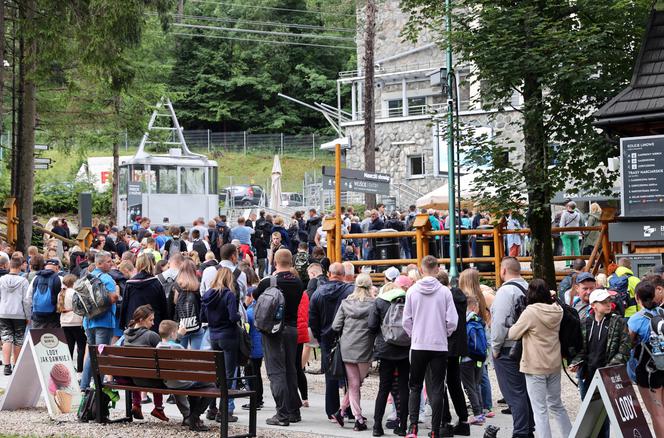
(599, 295)
(391, 273)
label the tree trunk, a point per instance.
(369, 122)
(26, 146)
(116, 162)
(2, 64)
(535, 173)
(180, 11)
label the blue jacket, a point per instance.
(107, 319)
(256, 345)
(219, 308)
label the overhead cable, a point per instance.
(263, 23)
(265, 32)
(270, 8)
(259, 40)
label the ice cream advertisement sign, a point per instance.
(45, 355)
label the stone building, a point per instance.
(408, 108)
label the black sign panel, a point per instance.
(642, 160)
(357, 181)
(636, 231)
(625, 406)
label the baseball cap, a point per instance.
(391, 273)
(159, 230)
(54, 262)
(584, 276)
(600, 295)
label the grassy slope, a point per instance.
(253, 168)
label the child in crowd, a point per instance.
(71, 323)
(15, 311)
(139, 334)
(190, 407)
(471, 365)
(253, 367)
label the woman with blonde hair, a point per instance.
(356, 344)
(193, 256)
(144, 288)
(591, 237)
(219, 308)
(187, 301)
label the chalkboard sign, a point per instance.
(642, 160)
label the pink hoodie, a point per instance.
(429, 315)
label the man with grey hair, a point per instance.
(349, 272)
(322, 309)
(511, 380)
(99, 330)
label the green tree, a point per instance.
(564, 59)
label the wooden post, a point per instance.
(12, 221)
(85, 238)
(608, 215)
(497, 244)
(329, 226)
(421, 225)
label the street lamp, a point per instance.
(453, 274)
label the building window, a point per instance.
(416, 166)
(417, 106)
(463, 90)
(395, 108)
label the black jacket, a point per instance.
(313, 223)
(383, 350)
(457, 343)
(143, 289)
(323, 307)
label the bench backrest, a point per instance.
(161, 364)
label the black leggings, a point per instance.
(386, 372)
(301, 377)
(76, 338)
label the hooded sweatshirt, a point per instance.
(539, 326)
(220, 310)
(323, 307)
(142, 337)
(429, 316)
(14, 300)
(352, 321)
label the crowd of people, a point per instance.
(200, 288)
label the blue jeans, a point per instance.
(485, 389)
(194, 340)
(96, 336)
(230, 348)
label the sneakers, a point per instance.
(491, 431)
(360, 426)
(294, 418)
(462, 429)
(477, 420)
(506, 411)
(247, 406)
(276, 421)
(391, 424)
(170, 399)
(447, 430)
(147, 400)
(159, 413)
(8, 370)
(198, 426)
(136, 412)
(412, 431)
(502, 401)
(231, 418)
(489, 414)
(338, 418)
(398, 431)
(211, 413)
(378, 430)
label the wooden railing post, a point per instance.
(329, 226)
(12, 221)
(498, 248)
(421, 225)
(85, 238)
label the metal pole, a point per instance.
(126, 140)
(208, 138)
(245, 141)
(282, 144)
(453, 274)
(313, 146)
(337, 207)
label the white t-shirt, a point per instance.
(323, 236)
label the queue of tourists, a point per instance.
(199, 288)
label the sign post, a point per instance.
(611, 394)
(642, 160)
(134, 201)
(357, 181)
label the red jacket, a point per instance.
(303, 319)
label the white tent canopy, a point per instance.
(275, 192)
(440, 199)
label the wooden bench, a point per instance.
(169, 364)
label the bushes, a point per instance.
(50, 199)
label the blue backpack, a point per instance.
(620, 284)
(42, 303)
(477, 343)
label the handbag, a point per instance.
(335, 366)
(244, 353)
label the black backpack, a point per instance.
(87, 410)
(200, 248)
(570, 335)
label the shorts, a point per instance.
(12, 330)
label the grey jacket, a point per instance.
(502, 313)
(15, 303)
(352, 320)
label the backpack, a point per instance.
(167, 284)
(301, 263)
(477, 343)
(620, 285)
(392, 326)
(42, 297)
(87, 410)
(269, 309)
(90, 297)
(200, 248)
(655, 344)
(175, 247)
(570, 335)
(517, 349)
